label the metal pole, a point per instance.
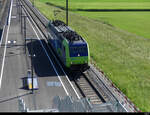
(0, 4)
(21, 20)
(67, 12)
(25, 31)
(19, 10)
(17, 5)
(32, 63)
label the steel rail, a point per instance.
(87, 89)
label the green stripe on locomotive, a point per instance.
(67, 57)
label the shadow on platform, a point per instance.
(41, 63)
(15, 97)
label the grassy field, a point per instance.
(103, 4)
(134, 22)
(124, 57)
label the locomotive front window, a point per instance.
(76, 51)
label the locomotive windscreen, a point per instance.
(78, 50)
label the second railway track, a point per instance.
(88, 90)
(40, 21)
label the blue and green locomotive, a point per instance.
(71, 48)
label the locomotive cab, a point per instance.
(78, 56)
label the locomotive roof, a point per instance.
(67, 32)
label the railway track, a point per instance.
(95, 91)
(99, 85)
(88, 90)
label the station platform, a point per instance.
(15, 63)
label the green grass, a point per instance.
(134, 22)
(124, 57)
(103, 4)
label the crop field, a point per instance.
(119, 41)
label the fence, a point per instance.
(68, 104)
